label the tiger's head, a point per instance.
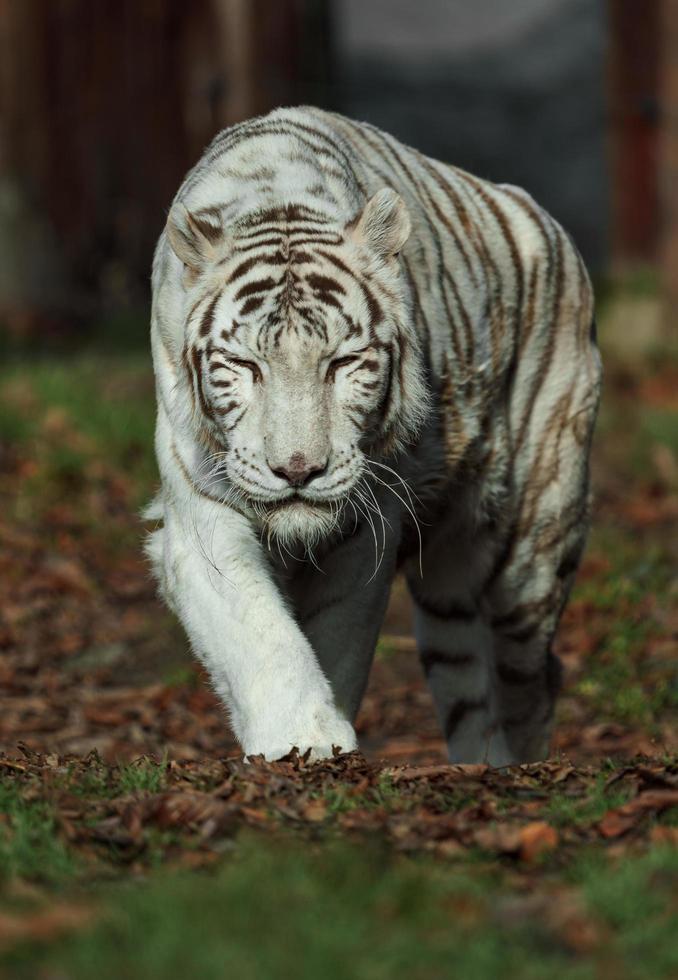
(300, 352)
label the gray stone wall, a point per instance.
(512, 90)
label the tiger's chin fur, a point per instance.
(297, 522)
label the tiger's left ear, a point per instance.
(194, 237)
(384, 223)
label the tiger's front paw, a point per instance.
(324, 732)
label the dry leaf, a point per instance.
(315, 811)
(537, 838)
(44, 925)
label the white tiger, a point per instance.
(366, 360)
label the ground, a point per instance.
(133, 840)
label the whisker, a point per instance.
(410, 492)
(282, 557)
(383, 522)
(368, 517)
(412, 514)
(355, 515)
(308, 553)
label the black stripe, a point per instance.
(324, 284)
(196, 361)
(458, 712)
(554, 674)
(252, 304)
(317, 240)
(522, 634)
(226, 409)
(208, 317)
(569, 563)
(254, 245)
(514, 676)
(244, 267)
(430, 658)
(336, 261)
(213, 233)
(547, 356)
(256, 286)
(443, 609)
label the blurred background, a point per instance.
(103, 107)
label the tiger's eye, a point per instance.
(250, 365)
(339, 363)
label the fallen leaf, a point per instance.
(619, 821)
(504, 838)
(537, 838)
(615, 823)
(315, 811)
(44, 925)
(664, 835)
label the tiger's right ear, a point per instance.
(196, 237)
(384, 224)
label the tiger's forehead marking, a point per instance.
(289, 272)
(288, 283)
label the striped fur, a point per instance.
(366, 358)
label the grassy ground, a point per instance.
(133, 842)
(344, 870)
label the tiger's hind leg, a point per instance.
(489, 601)
(454, 640)
(485, 618)
(526, 601)
(527, 590)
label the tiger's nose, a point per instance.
(298, 471)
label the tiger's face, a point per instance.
(301, 356)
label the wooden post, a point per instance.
(103, 107)
(93, 144)
(668, 173)
(634, 130)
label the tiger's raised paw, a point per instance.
(319, 745)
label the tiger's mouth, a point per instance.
(295, 500)
(297, 519)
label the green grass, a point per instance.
(638, 900)
(101, 782)
(384, 649)
(339, 913)
(90, 413)
(563, 810)
(347, 913)
(29, 845)
(92, 783)
(619, 682)
(654, 427)
(643, 281)
(637, 568)
(143, 775)
(187, 677)
(614, 680)
(384, 795)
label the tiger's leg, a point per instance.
(527, 590)
(340, 607)
(527, 600)
(340, 600)
(455, 642)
